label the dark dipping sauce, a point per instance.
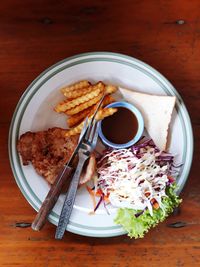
(121, 127)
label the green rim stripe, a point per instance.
(56, 216)
(51, 75)
(39, 88)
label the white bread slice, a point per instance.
(156, 111)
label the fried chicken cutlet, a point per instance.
(47, 150)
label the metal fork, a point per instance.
(87, 146)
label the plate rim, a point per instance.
(119, 56)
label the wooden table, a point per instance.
(36, 34)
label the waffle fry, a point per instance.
(105, 112)
(67, 105)
(84, 105)
(77, 93)
(77, 118)
(109, 89)
(107, 100)
(91, 102)
(101, 114)
(75, 86)
(60, 107)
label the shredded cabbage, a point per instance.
(137, 226)
(139, 182)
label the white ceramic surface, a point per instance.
(35, 112)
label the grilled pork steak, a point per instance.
(47, 150)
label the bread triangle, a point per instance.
(156, 111)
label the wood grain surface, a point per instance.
(37, 34)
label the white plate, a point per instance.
(35, 112)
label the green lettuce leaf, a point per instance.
(137, 226)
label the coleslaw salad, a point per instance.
(140, 181)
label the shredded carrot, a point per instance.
(156, 205)
(92, 195)
(106, 198)
(99, 193)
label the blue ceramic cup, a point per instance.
(139, 132)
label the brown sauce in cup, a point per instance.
(121, 127)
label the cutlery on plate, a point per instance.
(87, 146)
(62, 180)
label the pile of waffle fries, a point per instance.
(81, 100)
